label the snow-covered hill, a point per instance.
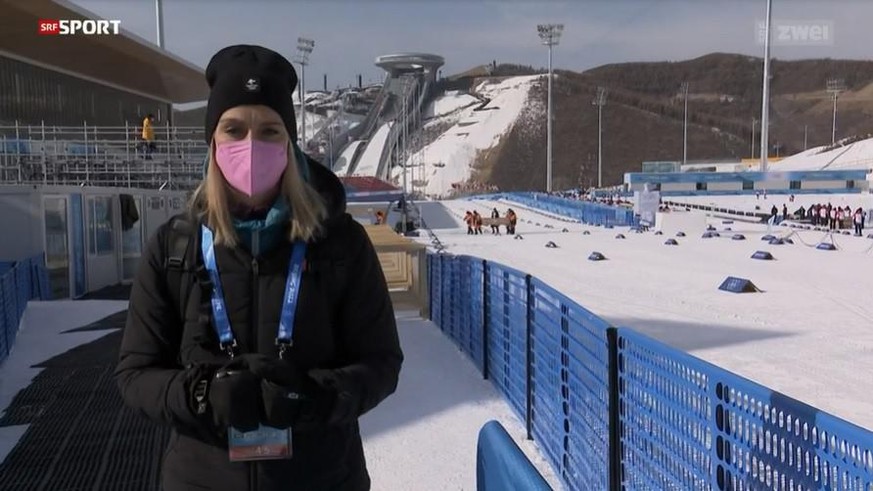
(473, 129)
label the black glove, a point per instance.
(234, 393)
(291, 398)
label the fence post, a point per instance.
(615, 452)
(442, 292)
(44, 161)
(18, 150)
(429, 259)
(528, 413)
(127, 147)
(4, 329)
(486, 317)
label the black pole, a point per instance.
(528, 388)
(486, 318)
(360, 82)
(615, 452)
(325, 82)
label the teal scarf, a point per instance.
(260, 235)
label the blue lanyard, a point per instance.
(285, 334)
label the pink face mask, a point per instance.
(251, 166)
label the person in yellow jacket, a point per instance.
(148, 135)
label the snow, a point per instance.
(858, 155)
(423, 437)
(314, 123)
(341, 167)
(807, 335)
(448, 103)
(748, 203)
(368, 164)
(450, 158)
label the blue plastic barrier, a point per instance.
(507, 310)
(688, 424)
(20, 282)
(581, 211)
(570, 387)
(501, 465)
(613, 409)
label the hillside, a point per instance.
(643, 116)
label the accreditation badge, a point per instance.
(264, 443)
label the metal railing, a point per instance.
(20, 282)
(102, 156)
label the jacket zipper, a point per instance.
(253, 470)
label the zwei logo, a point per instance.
(67, 27)
(798, 33)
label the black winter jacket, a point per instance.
(345, 329)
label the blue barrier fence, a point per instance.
(614, 409)
(583, 211)
(20, 282)
(501, 465)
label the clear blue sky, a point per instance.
(349, 34)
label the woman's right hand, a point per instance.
(235, 393)
(235, 399)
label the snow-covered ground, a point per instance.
(314, 123)
(748, 203)
(858, 155)
(448, 103)
(807, 335)
(423, 437)
(450, 158)
(368, 164)
(341, 167)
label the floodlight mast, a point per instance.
(600, 101)
(550, 34)
(765, 104)
(304, 49)
(835, 87)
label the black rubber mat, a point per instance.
(81, 437)
(114, 321)
(113, 292)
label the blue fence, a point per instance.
(20, 282)
(583, 211)
(614, 409)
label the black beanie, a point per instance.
(246, 74)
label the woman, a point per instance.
(275, 332)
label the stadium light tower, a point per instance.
(835, 87)
(600, 101)
(550, 34)
(765, 104)
(304, 49)
(159, 21)
(685, 125)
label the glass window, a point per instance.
(794, 185)
(100, 226)
(56, 252)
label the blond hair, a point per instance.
(212, 198)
